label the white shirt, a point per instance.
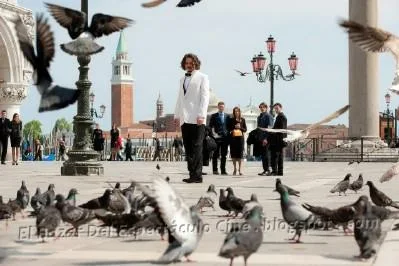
(195, 102)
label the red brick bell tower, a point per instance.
(122, 87)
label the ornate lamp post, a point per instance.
(273, 71)
(82, 159)
(93, 111)
(388, 101)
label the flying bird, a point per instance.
(242, 73)
(293, 135)
(182, 3)
(53, 97)
(390, 173)
(376, 40)
(82, 34)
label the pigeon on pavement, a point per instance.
(48, 219)
(244, 240)
(342, 186)
(71, 198)
(293, 214)
(367, 228)
(293, 135)
(224, 204)
(379, 198)
(23, 196)
(208, 199)
(76, 216)
(82, 34)
(236, 204)
(98, 203)
(373, 39)
(291, 191)
(252, 203)
(5, 211)
(357, 184)
(34, 201)
(53, 97)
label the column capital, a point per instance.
(13, 93)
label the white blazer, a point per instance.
(195, 103)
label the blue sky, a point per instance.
(225, 34)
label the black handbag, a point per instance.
(210, 144)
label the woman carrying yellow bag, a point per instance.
(237, 127)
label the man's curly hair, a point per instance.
(197, 62)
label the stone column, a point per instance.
(363, 78)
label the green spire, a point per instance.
(121, 49)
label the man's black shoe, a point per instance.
(225, 173)
(215, 172)
(203, 173)
(272, 174)
(192, 180)
(3, 162)
(264, 173)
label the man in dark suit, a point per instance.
(276, 141)
(265, 120)
(5, 129)
(217, 123)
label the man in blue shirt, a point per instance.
(217, 124)
(265, 120)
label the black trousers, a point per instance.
(277, 159)
(157, 154)
(4, 147)
(265, 158)
(193, 137)
(129, 156)
(221, 150)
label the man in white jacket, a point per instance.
(191, 110)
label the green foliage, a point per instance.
(62, 125)
(32, 129)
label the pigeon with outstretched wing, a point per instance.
(82, 34)
(373, 39)
(182, 3)
(53, 97)
(242, 73)
(293, 135)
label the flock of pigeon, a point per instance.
(162, 209)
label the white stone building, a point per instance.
(15, 71)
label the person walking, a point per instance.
(265, 120)
(157, 153)
(277, 143)
(15, 138)
(191, 110)
(119, 147)
(5, 129)
(114, 140)
(178, 145)
(61, 150)
(218, 125)
(128, 148)
(237, 127)
(98, 140)
(38, 150)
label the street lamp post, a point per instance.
(93, 111)
(273, 71)
(82, 159)
(388, 101)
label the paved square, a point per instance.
(314, 180)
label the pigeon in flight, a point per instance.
(373, 39)
(53, 97)
(82, 34)
(182, 3)
(293, 135)
(243, 74)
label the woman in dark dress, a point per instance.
(237, 127)
(114, 139)
(15, 137)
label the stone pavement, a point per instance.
(93, 247)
